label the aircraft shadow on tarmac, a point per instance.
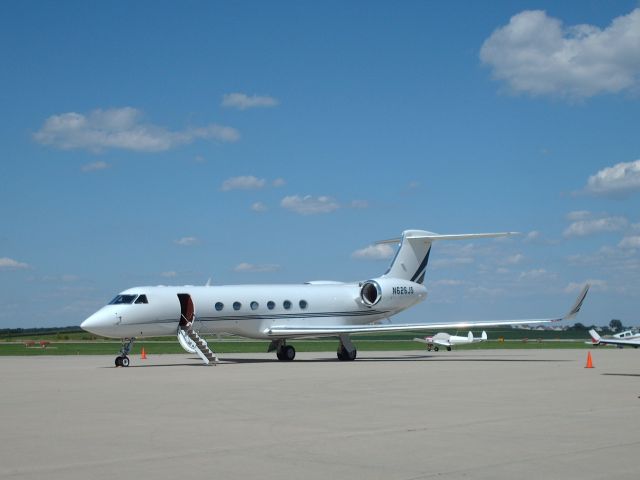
(403, 358)
(622, 374)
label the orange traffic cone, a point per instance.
(143, 356)
(589, 361)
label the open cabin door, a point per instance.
(186, 310)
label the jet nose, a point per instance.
(98, 323)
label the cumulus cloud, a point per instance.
(578, 215)
(242, 101)
(619, 180)
(536, 54)
(513, 259)
(244, 182)
(94, 166)
(122, 128)
(380, 251)
(632, 241)
(359, 204)
(536, 273)
(186, 241)
(259, 207)
(11, 264)
(278, 182)
(250, 267)
(592, 226)
(309, 205)
(169, 274)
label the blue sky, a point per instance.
(256, 142)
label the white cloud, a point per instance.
(574, 287)
(513, 259)
(446, 283)
(578, 215)
(632, 241)
(582, 228)
(121, 128)
(532, 236)
(621, 179)
(485, 291)
(186, 241)
(536, 54)
(250, 267)
(242, 101)
(536, 273)
(259, 207)
(309, 205)
(380, 251)
(94, 166)
(449, 262)
(278, 182)
(11, 264)
(169, 274)
(359, 204)
(245, 182)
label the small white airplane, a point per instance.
(598, 340)
(445, 340)
(283, 312)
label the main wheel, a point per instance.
(436, 349)
(448, 349)
(125, 361)
(118, 361)
(289, 353)
(344, 355)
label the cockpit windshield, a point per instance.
(123, 299)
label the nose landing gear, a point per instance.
(123, 360)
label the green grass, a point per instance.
(103, 347)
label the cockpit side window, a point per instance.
(142, 299)
(123, 299)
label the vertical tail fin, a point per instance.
(412, 257)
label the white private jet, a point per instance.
(443, 339)
(283, 312)
(598, 340)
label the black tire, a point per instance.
(289, 353)
(435, 349)
(340, 355)
(124, 361)
(118, 361)
(344, 355)
(448, 349)
(280, 355)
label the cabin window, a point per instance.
(254, 305)
(271, 305)
(237, 305)
(286, 304)
(303, 304)
(142, 299)
(219, 306)
(123, 299)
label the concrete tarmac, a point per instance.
(482, 414)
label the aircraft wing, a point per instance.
(597, 340)
(442, 341)
(332, 330)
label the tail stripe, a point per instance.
(421, 268)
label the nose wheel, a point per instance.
(122, 360)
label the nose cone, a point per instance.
(100, 323)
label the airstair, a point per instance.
(198, 344)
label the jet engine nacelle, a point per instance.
(390, 292)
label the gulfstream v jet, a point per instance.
(281, 313)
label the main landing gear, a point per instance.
(347, 350)
(284, 352)
(123, 360)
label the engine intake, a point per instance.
(370, 293)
